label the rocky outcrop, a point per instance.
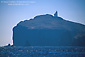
(48, 30)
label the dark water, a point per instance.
(38, 51)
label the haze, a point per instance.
(10, 15)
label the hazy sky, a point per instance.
(14, 11)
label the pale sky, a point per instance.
(14, 11)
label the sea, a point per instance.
(42, 51)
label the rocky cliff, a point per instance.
(48, 30)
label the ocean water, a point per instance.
(42, 51)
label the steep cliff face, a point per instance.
(48, 30)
